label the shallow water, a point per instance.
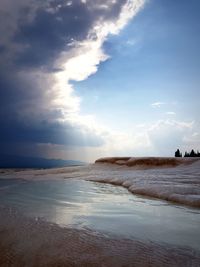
(104, 208)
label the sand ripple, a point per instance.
(26, 242)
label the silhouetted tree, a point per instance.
(186, 154)
(192, 154)
(178, 153)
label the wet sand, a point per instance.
(26, 242)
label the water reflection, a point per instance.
(107, 208)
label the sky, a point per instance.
(84, 79)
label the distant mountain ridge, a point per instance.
(13, 161)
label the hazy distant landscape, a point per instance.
(13, 161)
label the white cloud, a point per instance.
(167, 135)
(83, 60)
(131, 42)
(161, 138)
(157, 104)
(170, 113)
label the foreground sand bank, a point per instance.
(29, 242)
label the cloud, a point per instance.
(167, 135)
(170, 113)
(157, 104)
(161, 137)
(44, 46)
(131, 42)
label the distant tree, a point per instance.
(186, 154)
(178, 153)
(192, 153)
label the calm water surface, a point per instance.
(105, 208)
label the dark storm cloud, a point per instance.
(14, 131)
(16, 128)
(50, 32)
(55, 26)
(33, 34)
